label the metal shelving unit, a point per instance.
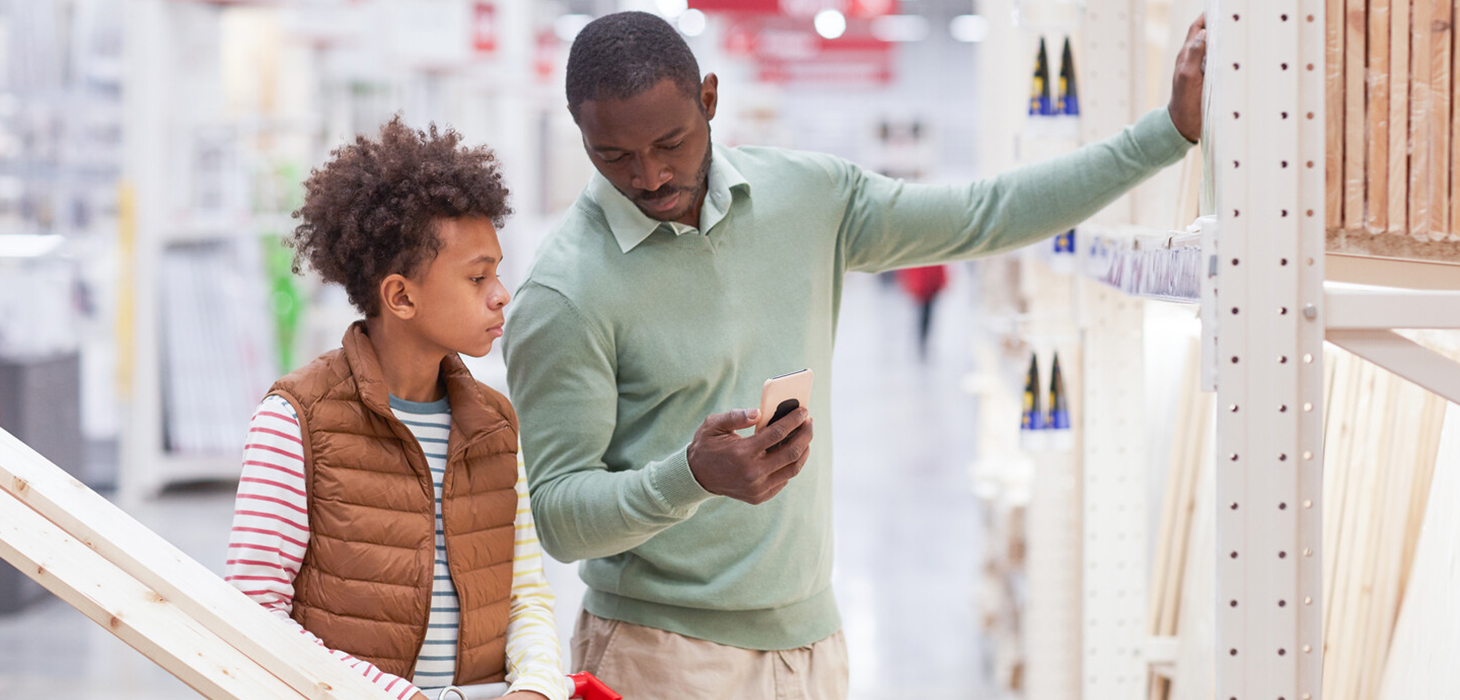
(1268, 310)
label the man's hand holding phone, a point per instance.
(751, 469)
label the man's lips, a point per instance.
(662, 202)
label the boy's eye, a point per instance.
(477, 280)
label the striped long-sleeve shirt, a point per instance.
(271, 532)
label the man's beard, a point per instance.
(701, 180)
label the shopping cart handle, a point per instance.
(588, 687)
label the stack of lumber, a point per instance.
(1192, 451)
(1382, 438)
(1392, 128)
(1427, 639)
(153, 597)
(1382, 441)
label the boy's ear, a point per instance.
(395, 297)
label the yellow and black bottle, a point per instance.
(1069, 97)
(1033, 417)
(1059, 407)
(1039, 102)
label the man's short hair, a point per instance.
(623, 54)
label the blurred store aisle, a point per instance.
(907, 534)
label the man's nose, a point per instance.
(650, 174)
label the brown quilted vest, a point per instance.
(365, 584)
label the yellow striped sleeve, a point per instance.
(534, 657)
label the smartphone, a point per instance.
(782, 395)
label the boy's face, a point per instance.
(458, 299)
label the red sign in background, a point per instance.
(780, 36)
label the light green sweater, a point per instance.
(627, 334)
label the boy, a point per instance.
(373, 458)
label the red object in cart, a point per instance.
(588, 687)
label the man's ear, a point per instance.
(709, 95)
(395, 297)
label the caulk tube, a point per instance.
(1069, 97)
(1059, 434)
(1039, 101)
(1031, 422)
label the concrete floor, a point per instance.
(906, 528)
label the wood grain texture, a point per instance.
(1421, 118)
(1397, 207)
(1376, 189)
(1356, 31)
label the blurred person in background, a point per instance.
(923, 284)
(686, 274)
(336, 531)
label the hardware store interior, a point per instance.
(1174, 417)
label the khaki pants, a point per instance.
(643, 663)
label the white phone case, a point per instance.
(794, 387)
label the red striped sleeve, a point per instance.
(271, 550)
(261, 531)
(272, 516)
(291, 472)
(280, 416)
(275, 484)
(275, 450)
(277, 433)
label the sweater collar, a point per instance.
(631, 226)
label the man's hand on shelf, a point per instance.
(1186, 83)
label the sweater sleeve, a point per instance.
(563, 376)
(534, 657)
(891, 224)
(271, 528)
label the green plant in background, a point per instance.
(286, 299)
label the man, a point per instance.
(684, 276)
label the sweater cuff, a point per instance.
(553, 687)
(674, 483)
(1158, 133)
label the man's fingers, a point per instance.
(731, 421)
(1199, 25)
(777, 431)
(793, 448)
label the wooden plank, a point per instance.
(1421, 659)
(1421, 116)
(1397, 208)
(133, 612)
(157, 564)
(1334, 106)
(1196, 652)
(1454, 228)
(1441, 97)
(1354, 124)
(1376, 190)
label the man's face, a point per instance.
(654, 147)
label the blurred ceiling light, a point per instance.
(970, 28)
(692, 23)
(830, 24)
(27, 245)
(672, 8)
(900, 28)
(568, 26)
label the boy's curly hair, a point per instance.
(370, 211)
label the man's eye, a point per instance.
(672, 147)
(614, 159)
